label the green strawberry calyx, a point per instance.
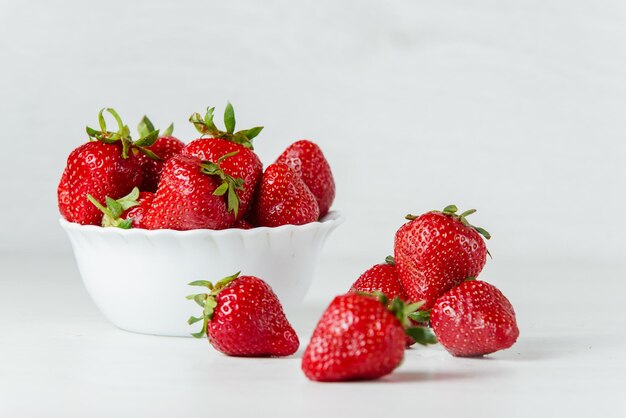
(390, 260)
(229, 185)
(407, 311)
(451, 211)
(206, 126)
(145, 128)
(114, 209)
(123, 135)
(207, 301)
(419, 316)
(404, 312)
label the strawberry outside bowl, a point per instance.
(139, 278)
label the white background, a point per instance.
(516, 109)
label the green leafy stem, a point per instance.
(207, 301)
(114, 209)
(229, 185)
(206, 126)
(122, 135)
(404, 312)
(451, 210)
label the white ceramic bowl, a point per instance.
(138, 278)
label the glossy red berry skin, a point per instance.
(97, 169)
(306, 159)
(382, 278)
(64, 197)
(243, 224)
(357, 338)
(165, 148)
(184, 199)
(245, 164)
(139, 212)
(249, 321)
(283, 198)
(474, 319)
(436, 252)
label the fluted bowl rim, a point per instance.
(331, 219)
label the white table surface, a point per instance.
(60, 357)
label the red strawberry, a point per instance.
(138, 213)
(474, 319)
(436, 251)
(243, 224)
(357, 338)
(245, 164)
(165, 147)
(64, 197)
(383, 278)
(103, 167)
(307, 159)
(126, 212)
(194, 194)
(243, 317)
(283, 198)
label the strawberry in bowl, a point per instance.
(165, 147)
(107, 165)
(163, 213)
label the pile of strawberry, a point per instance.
(429, 289)
(427, 292)
(214, 182)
